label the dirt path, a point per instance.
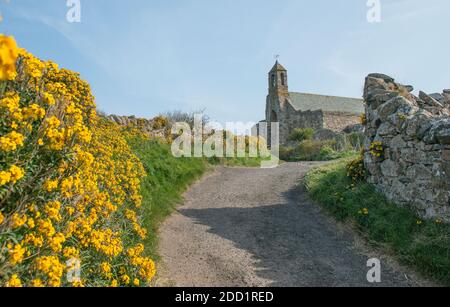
(255, 227)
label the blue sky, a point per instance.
(144, 57)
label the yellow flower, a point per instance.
(8, 57)
(51, 185)
(37, 283)
(56, 242)
(40, 142)
(53, 209)
(71, 252)
(10, 102)
(14, 282)
(5, 178)
(2, 218)
(53, 122)
(33, 112)
(36, 241)
(16, 253)
(78, 284)
(45, 227)
(136, 282)
(114, 284)
(30, 223)
(126, 279)
(17, 173)
(49, 99)
(11, 141)
(106, 267)
(18, 220)
(52, 267)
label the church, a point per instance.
(300, 110)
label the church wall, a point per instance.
(297, 119)
(338, 121)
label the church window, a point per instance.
(273, 81)
(283, 80)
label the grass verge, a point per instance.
(422, 245)
(167, 178)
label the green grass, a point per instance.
(236, 162)
(167, 178)
(423, 245)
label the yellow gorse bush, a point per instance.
(69, 182)
(356, 170)
(8, 56)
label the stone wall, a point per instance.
(408, 145)
(339, 121)
(298, 119)
(154, 128)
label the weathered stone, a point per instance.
(390, 168)
(446, 155)
(381, 98)
(358, 128)
(419, 124)
(409, 88)
(371, 94)
(438, 97)
(430, 100)
(384, 77)
(398, 142)
(419, 172)
(439, 132)
(392, 106)
(387, 129)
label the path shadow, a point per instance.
(293, 243)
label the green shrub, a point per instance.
(327, 153)
(356, 170)
(301, 134)
(356, 140)
(287, 153)
(309, 150)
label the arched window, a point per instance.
(283, 80)
(273, 80)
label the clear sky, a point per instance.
(144, 57)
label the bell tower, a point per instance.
(278, 81)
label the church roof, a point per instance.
(312, 102)
(277, 67)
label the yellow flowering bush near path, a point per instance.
(69, 183)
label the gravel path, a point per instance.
(256, 227)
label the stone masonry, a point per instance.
(413, 138)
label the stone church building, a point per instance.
(300, 110)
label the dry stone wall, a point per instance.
(407, 150)
(154, 128)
